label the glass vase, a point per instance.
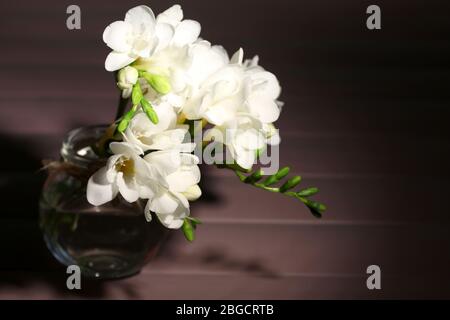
(109, 241)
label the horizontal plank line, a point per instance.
(222, 173)
(287, 222)
(316, 222)
(150, 271)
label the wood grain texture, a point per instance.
(365, 120)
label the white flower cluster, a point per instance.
(174, 76)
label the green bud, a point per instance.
(276, 177)
(194, 221)
(136, 94)
(123, 124)
(188, 230)
(149, 111)
(291, 183)
(307, 192)
(316, 208)
(159, 83)
(254, 177)
(283, 172)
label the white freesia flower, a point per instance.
(262, 93)
(239, 87)
(181, 176)
(205, 61)
(164, 135)
(125, 173)
(243, 136)
(271, 133)
(127, 77)
(186, 68)
(219, 98)
(140, 35)
(184, 32)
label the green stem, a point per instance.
(315, 207)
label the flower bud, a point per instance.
(159, 83)
(308, 192)
(149, 111)
(127, 77)
(291, 183)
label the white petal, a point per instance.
(164, 203)
(115, 61)
(111, 171)
(184, 178)
(170, 139)
(178, 211)
(245, 158)
(186, 33)
(274, 140)
(215, 134)
(166, 162)
(172, 16)
(205, 60)
(165, 33)
(141, 18)
(220, 114)
(250, 139)
(99, 190)
(193, 193)
(265, 81)
(249, 63)
(237, 57)
(147, 191)
(175, 220)
(116, 36)
(181, 198)
(189, 159)
(263, 107)
(127, 189)
(124, 148)
(126, 93)
(147, 212)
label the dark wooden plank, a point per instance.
(338, 156)
(268, 249)
(238, 261)
(353, 200)
(189, 286)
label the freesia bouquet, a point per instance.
(181, 87)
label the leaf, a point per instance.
(188, 230)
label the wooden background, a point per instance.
(365, 120)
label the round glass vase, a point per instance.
(109, 241)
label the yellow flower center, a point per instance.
(125, 166)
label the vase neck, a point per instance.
(77, 146)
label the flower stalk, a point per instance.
(316, 208)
